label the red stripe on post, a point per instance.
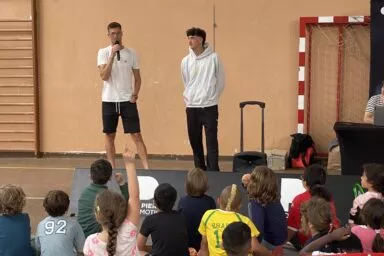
(301, 88)
(302, 29)
(301, 59)
(300, 116)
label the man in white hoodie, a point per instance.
(203, 78)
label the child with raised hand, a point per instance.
(372, 180)
(15, 229)
(167, 227)
(265, 209)
(118, 219)
(237, 239)
(195, 204)
(215, 221)
(58, 234)
(372, 233)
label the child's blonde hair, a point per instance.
(12, 200)
(196, 183)
(230, 198)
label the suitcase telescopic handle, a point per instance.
(242, 105)
(245, 103)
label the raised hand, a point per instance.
(128, 155)
(119, 178)
(245, 179)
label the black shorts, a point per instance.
(129, 115)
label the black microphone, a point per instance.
(118, 52)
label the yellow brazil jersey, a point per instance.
(213, 224)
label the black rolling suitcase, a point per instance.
(244, 162)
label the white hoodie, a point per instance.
(203, 78)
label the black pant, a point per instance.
(197, 118)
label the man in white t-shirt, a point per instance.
(373, 102)
(116, 64)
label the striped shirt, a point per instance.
(374, 101)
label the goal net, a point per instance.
(337, 78)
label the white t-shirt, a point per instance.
(118, 88)
(126, 244)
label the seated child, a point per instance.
(58, 234)
(372, 180)
(215, 221)
(313, 179)
(168, 228)
(237, 239)
(15, 231)
(118, 219)
(317, 222)
(265, 209)
(372, 233)
(101, 172)
(195, 204)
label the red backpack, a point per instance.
(302, 152)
